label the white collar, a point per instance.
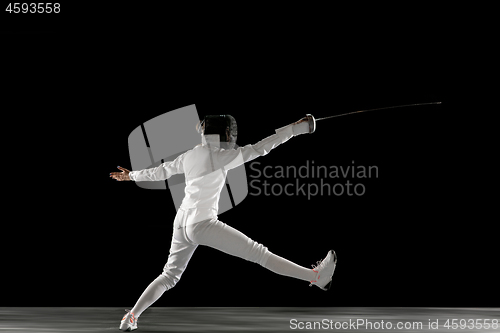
(212, 140)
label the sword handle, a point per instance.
(312, 123)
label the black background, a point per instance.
(78, 83)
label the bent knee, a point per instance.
(167, 279)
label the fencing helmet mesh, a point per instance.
(223, 125)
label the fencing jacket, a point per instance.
(205, 168)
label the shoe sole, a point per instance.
(128, 329)
(329, 285)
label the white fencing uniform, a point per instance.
(205, 168)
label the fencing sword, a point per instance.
(312, 121)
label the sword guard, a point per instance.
(312, 123)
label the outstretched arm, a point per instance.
(282, 135)
(232, 158)
(161, 172)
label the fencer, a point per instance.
(196, 223)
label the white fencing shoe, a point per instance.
(324, 271)
(129, 323)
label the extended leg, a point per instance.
(285, 267)
(225, 238)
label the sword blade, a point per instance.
(388, 107)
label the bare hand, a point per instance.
(120, 176)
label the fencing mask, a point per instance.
(223, 125)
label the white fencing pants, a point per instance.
(218, 235)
